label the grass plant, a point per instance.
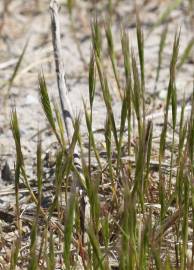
(136, 210)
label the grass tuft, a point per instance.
(135, 209)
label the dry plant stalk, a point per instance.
(76, 187)
(60, 72)
(62, 87)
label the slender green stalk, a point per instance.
(170, 96)
(111, 51)
(160, 55)
(15, 254)
(140, 42)
(127, 65)
(68, 231)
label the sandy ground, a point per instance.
(30, 20)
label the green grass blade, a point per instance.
(160, 54)
(18, 64)
(69, 230)
(92, 79)
(33, 238)
(97, 263)
(51, 262)
(91, 135)
(111, 51)
(46, 104)
(166, 13)
(96, 38)
(15, 254)
(185, 54)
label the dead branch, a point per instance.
(68, 115)
(62, 87)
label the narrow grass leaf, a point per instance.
(46, 104)
(185, 54)
(96, 38)
(92, 79)
(111, 51)
(96, 249)
(69, 230)
(33, 238)
(51, 263)
(91, 135)
(18, 64)
(15, 254)
(166, 13)
(160, 54)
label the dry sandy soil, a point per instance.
(22, 20)
(30, 20)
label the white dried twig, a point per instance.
(67, 112)
(62, 87)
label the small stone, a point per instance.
(31, 100)
(162, 94)
(6, 174)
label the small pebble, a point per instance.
(162, 94)
(31, 100)
(6, 174)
